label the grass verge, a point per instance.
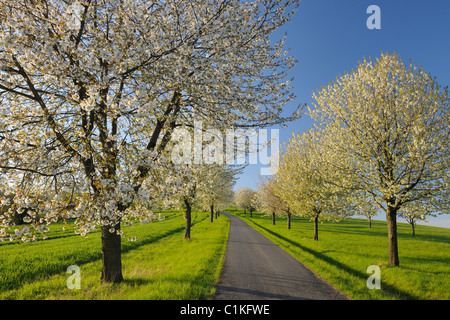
(159, 265)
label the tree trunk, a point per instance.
(413, 229)
(289, 221)
(391, 217)
(251, 213)
(111, 255)
(273, 218)
(370, 222)
(212, 213)
(187, 232)
(316, 228)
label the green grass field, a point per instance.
(160, 265)
(345, 250)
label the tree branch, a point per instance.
(48, 116)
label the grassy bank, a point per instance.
(159, 265)
(345, 250)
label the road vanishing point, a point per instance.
(257, 269)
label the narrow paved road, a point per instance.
(255, 269)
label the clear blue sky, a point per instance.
(329, 37)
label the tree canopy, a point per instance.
(91, 90)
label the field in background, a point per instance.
(345, 249)
(159, 265)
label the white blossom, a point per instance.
(91, 91)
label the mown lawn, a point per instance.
(345, 249)
(159, 265)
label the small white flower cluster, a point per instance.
(25, 233)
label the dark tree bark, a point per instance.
(111, 255)
(391, 217)
(289, 220)
(412, 222)
(18, 217)
(273, 218)
(212, 213)
(316, 227)
(187, 232)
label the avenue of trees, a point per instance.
(380, 143)
(92, 90)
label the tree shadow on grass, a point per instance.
(390, 289)
(137, 281)
(41, 273)
(136, 244)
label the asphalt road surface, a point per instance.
(257, 269)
